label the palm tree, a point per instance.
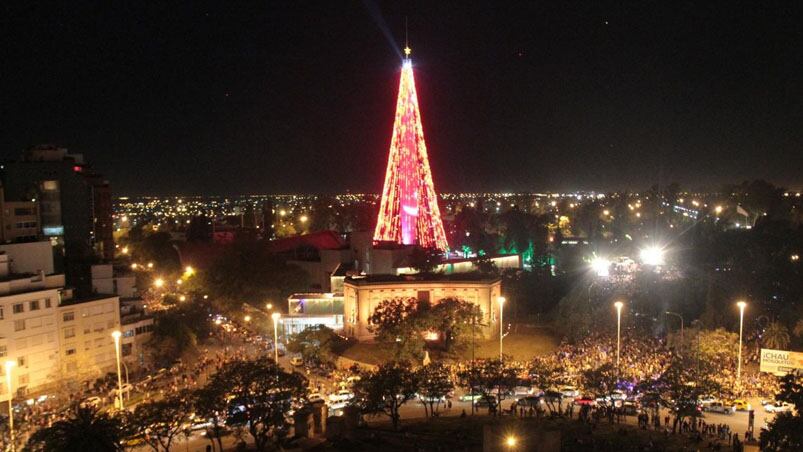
(776, 336)
(86, 429)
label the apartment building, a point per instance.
(49, 335)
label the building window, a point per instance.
(69, 316)
(3, 351)
(70, 351)
(69, 332)
(22, 361)
(34, 305)
(1, 313)
(19, 308)
(19, 325)
(47, 302)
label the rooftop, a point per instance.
(472, 277)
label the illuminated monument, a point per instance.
(409, 211)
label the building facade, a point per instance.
(361, 296)
(75, 209)
(50, 336)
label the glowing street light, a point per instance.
(303, 219)
(511, 441)
(182, 298)
(150, 264)
(652, 256)
(741, 305)
(158, 283)
(134, 266)
(601, 266)
(501, 301)
(618, 306)
(10, 364)
(247, 318)
(189, 270)
(269, 306)
(116, 335)
(718, 209)
(275, 316)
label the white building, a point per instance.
(49, 335)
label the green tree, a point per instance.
(685, 383)
(776, 336)
(85, 429)
(316, 344)
(157, 248)
(454, 320)
(425, 260)
(265, 392)
(434, 384)
(248, 272)
(385, 390)
(158, 422)
(785, 432)
(210, 403)
(601, 381)
(178, 330)
(491, 377)
(397, 322)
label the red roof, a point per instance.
(324, 240)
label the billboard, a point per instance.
(780, 362)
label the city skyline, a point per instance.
(204, 99)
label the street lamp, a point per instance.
(275, 316)
(158, 283)
(269, 306)
(618, 305)
(601, 266)
(681, 327)
(741, 305)
(501, 301)
(511, 441)
(247, 318)
(9, 365)
(116, 335)
(652, 256)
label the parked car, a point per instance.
(484, 402)
(719, 407)
(467, 397)
(570, 392)
(296, 361)
(314, 397)
(125, 389)
(91, 402)
(778, 407)
(741, 405)
(342, 395)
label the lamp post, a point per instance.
(275, 316)
(618, 305)
(501, 301)
(741, 305)
(681, 327)
(9, 365)
(116, 335)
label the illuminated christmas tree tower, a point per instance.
(409, 211)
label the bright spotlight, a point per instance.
(511, 441)
(601, 266)
(652, 256)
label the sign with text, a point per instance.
(780, 362)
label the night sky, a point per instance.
(297, 96)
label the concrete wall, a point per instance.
(30, 257)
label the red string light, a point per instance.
(409, 211)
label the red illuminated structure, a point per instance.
(409, 211)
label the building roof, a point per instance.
(323, 240)
(473, 277)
